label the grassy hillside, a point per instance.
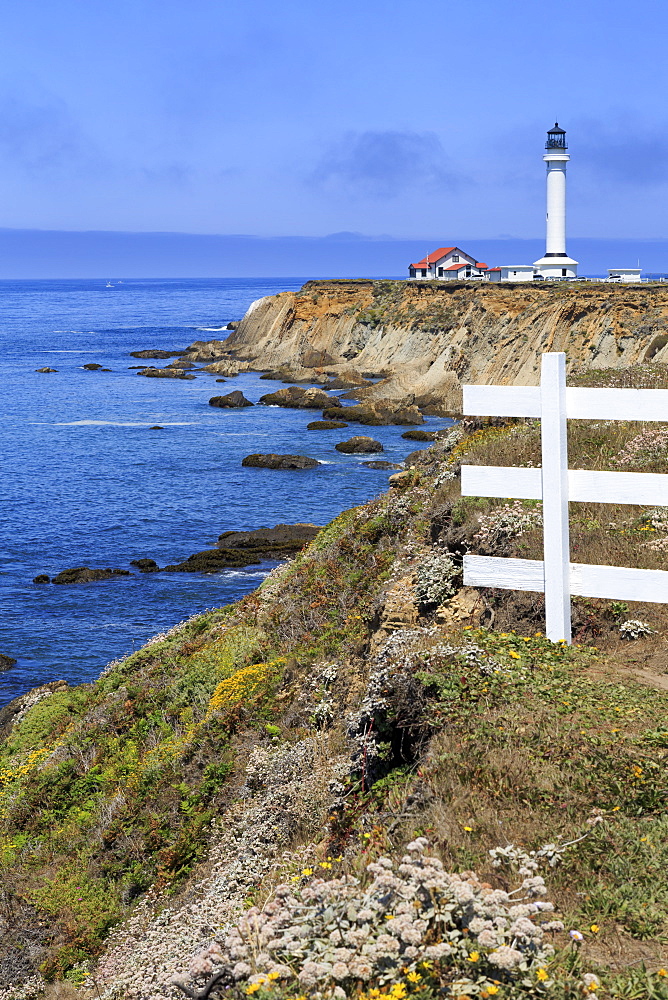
(359, 700)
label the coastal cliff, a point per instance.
(359, 781)
(430, 337)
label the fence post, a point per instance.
(556, 544)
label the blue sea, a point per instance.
(87, 482)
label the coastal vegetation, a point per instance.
(231, 804)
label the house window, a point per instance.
(424, 273)
(455, 259)
(468, 272)
(563, 272)
(440, 272)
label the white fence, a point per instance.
(556, 576)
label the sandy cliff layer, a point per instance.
(432, 336)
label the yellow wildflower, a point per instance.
(273, 975)
(515, 656)
(307, 871)
(474, 956)
(469, 829)
(492, 990)
(398, 991)
(325, 864)
(594, 928)
(253, 988)
(542, 975)
(413, 977)
(662, 972)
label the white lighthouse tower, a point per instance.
(556, 263)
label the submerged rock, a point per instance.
(380, 464)
(232, 399)
(84, 574)
(272, 461)
(6, 661)
(92, 367)
(420, 435)
(42, 578)
(359, 445)
(246, 548)
(165, 373)
(45, 370)
(154, 353)
(326, 425)
(145, 565)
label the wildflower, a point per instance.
(307, 871)
(273, 975)
(594, 928)
(253, 988)
(515, 656)
(542, 975)
(398, 991)
(325, 864)
(662, 972)
(469, 829)
(492, 990)
(413, 977)
(474, 956)
(576, 936)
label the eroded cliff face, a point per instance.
(430, 337)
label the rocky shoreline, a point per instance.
(234, 549)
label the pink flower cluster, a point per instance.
(646, 448)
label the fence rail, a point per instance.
(555, 484)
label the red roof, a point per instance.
(457, 267)
(433, 257)
(481, 265)
(493, 268)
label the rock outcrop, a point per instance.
(226, 367)
(272, 461)
(302, 399)
(234, 400)
(6, 661)
(359, 445)
(431, 337)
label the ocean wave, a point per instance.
(113, 423)
(234, 573)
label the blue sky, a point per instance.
(308, 118)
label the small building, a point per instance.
(511, 272)
(447, 264)
(624, 274)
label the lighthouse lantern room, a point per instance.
(556, 263)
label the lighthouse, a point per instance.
(556, 263)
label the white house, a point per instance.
(511, 272)
(624, 274)
(447, 264)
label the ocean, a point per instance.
(88, 482)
